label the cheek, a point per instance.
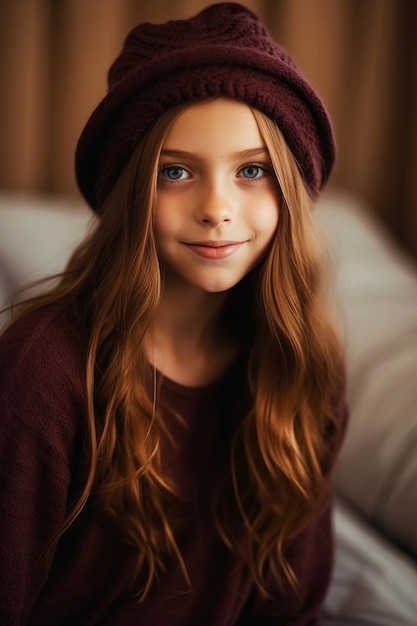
(266, 219)
(163, 221)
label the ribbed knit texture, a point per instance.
(223, 51)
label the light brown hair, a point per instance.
(285, 443)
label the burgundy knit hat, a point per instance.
(223, 51)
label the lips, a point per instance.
(214, 249)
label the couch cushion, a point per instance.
(37, 236)
(373, 583)
(377, 288)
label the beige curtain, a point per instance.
(360, 54)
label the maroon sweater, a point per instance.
(83, 582)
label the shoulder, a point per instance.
(42, 358)
(46, 341)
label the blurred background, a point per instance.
(360, 55)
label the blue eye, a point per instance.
(252, 172)
(174, 173)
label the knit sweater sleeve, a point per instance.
(40, 407)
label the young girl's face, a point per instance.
(218, 200)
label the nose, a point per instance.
(215, 206)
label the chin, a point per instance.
(218, 287)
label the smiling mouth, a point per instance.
(214, 249)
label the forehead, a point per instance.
(223, 125)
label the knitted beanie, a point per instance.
(223, 51)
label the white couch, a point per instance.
(375, 578)
(375, 575)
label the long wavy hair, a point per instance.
(274, 480)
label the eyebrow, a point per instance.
(250, 152)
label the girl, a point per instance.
(171, 410)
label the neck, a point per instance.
(186, 341)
